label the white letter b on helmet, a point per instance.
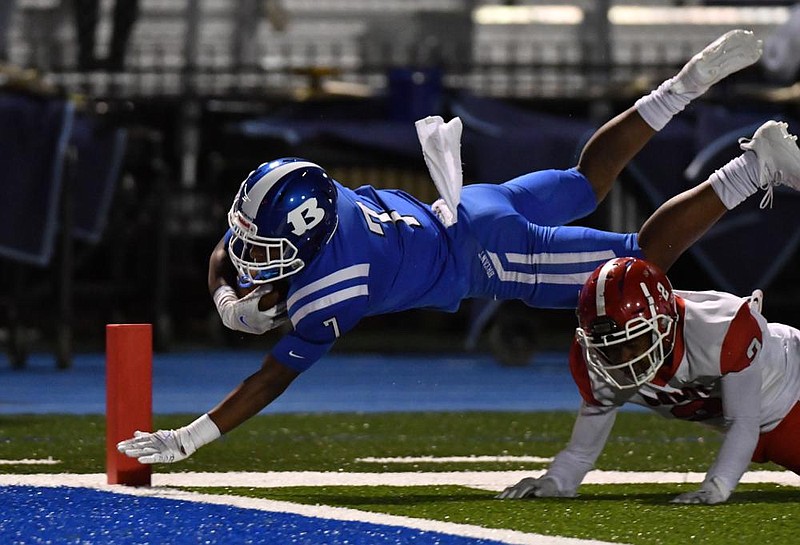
(305, 217)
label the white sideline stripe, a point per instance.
(511, 537)
(487, 480)
(30, 462)
(455, 459)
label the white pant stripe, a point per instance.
(560, 258)
(519, 277)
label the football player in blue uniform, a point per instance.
(324, 256)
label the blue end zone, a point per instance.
(82, 515)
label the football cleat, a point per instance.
(778, 157)
(727, 54)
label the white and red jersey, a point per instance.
(717, 333)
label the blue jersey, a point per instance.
(391, 253)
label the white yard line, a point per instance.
(30, 462)
(454, 459)
(488, 480)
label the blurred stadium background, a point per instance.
(127, 127)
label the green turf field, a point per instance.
(639, 513)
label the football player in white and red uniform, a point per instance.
(707, 357)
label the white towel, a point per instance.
(441, 147)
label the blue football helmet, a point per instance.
(283, 213)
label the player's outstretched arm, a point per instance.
(254, 394)
(250, 397)
(741, 399)
(589, 436)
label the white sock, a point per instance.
(658, 107)
(737, 180)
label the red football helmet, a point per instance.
(627, 319)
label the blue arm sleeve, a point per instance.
(299, 354)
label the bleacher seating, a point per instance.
(359, 40)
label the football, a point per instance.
(268, 300)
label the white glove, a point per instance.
(543, 487)
(243, 314)
(161, 447)
(167, 446)
(711, 492)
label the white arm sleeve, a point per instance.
(589, 436)
(741, 405)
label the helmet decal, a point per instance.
(650, 301)
(255, 193)
(305, 217)
(601, 294)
